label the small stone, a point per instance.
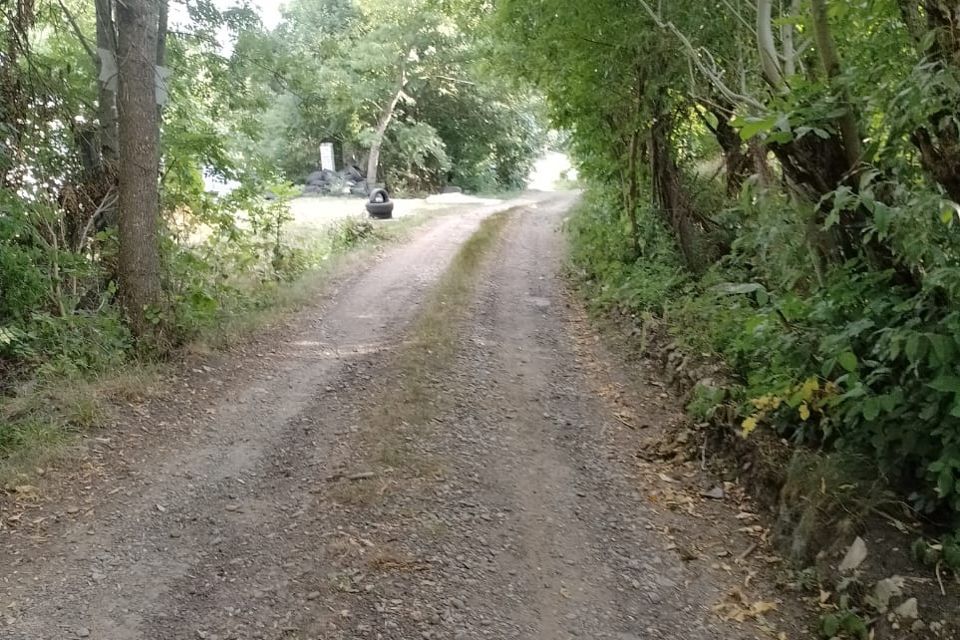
(908, 609)
(856, 554)
(717, 493)
(83, 632)
(885, 590)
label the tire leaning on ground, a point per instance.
(380, 205)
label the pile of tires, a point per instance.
(379, 205)
(335, 183)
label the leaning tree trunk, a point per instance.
(700, 239)
(386, 116)
(139, 259)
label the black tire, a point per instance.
(379, 195)
(380, 210)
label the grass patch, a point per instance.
(409, 408)
(344, 243)
(42, 417)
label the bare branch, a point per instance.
(108, 203)
(78, 32)
(746, 23)
(696, 56)
(769, 58)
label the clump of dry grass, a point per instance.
(410, 405)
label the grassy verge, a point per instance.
(409, 407)
(43, 414)
(346, 243)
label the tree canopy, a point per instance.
(780, 177)
(400, 89)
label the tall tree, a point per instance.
(139, 260)
(386, 115)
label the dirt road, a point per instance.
(271, 496)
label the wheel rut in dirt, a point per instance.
(343, 494)
(231, 482)
(503, 512)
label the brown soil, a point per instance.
(313, 485)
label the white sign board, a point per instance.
(326, 157)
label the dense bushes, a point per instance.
(861, 364)
(783, 191)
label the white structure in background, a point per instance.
(327, 163)
(549, 170)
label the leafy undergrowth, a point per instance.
(832, 404)
(80, 368)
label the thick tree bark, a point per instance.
(386, 116)
(139, 259)
(700, 239)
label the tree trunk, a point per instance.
(386, 115)
(757, 153)
(769, 58)
(162, 32)
(787, 33)
(18, 21)
(939, 141)
(736, 161)
(847, 123)
(633, 191)
(139, 259)
(690, 228)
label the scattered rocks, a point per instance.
(885, 590)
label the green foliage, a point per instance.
(352, 232)
(341, 61)
(845, 624)
(806, 236)
(603, 253)
(875, 360)
(946, 553)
